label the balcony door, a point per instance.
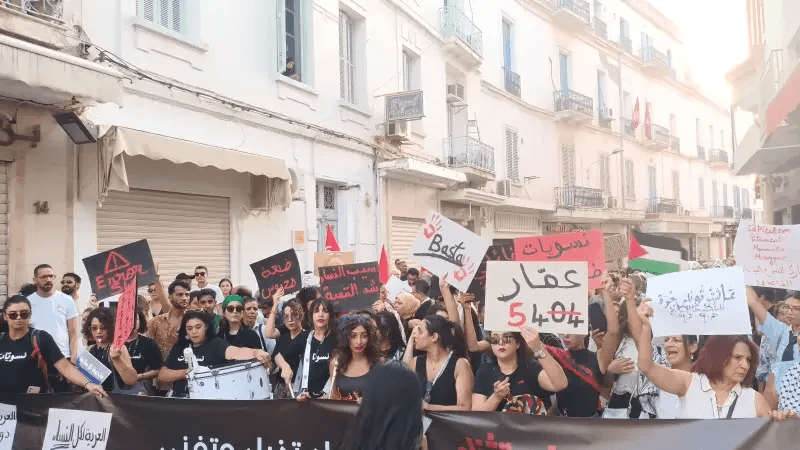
(652, 185)
(563, 67)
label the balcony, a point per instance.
(471, 157)
(511, 82)
(722, 212)
(675, 144)
(51, 11)
(572, 107)
(658, 138)
(654, 62)
(575, 197)
(571, 14)
(628, 128)
(600, 29)
(37, 21)
(463, 40)
(744, 213)
(626, 44)
(603, 120)
(701, 152)
(718, 158)
(662, 205)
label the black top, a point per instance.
(18, 369)
(145, 355)
(210, 353)
(424, 307)
(580, 399)
(351, 388)
(318, 374)
(524, 385)
(245, 338)
(292, 350)
(444, 391)
(475, 358)
(102, 355)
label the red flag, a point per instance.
(635, 250)
(648, 129)
(126, 311)
(330, 241)
(635, 118)
(383, 266)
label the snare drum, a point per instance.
(247, 380)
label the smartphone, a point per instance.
(34, 389)
(597, 318)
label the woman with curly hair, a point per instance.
(290, 344)
(99, 327)
(356, 354)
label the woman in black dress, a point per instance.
(357, 353)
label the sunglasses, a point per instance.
(232, 309)
(24, 315)
(199, 274)
(290, 317)
(151, 291)
(505, 339)
(358, 318)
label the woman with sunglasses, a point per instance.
(20, 372)
(99, 327)
(232, 328)
(290, 345)
(314, 369)
(356, 354)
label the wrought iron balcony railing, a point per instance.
(567, 100)
(744, 213)
(701, 152)
(627, 125)
(47, 10)
(577, 196)
(600, 29)
(675, 144)
(456, 23)
(659, 134)
(468, 152)
(512, 82)
(662, 205)
(725, 212)
(626, 43)
(652, 56)
(579, 7)
(718, 156)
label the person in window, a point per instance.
(144, 353)
(291, 70)
(22, 367)
(231, 327)
(99, 326)
(357, 352)
(314, 368)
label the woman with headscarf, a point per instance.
(99, 327)
(356, 354)
(232, 328)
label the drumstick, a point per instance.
(291, 391)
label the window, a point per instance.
(512, 155)
(630, 191)
(714, 195)
(676, 186)
(170, 14)
(568, 165)
(669, 58)
(722, 139)
(673, 125)
(627, 105)
(701, 187)
(327, 212)
(746, 198)
(624, 28)
(724, 194)
(293, 25)
(410, 71)
(605, 173)
(652, 182)
(601, 98)
(711, 136)
(347, 64)
(563, 67)
(698, 129)
(737, 198)
(508, 46)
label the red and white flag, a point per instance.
(635, 118)
(330, 241)
(648, 129)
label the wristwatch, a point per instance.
(540, 353)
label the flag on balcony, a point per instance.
(635, 118)
(661, 254)
(330, 241)
(648, 129)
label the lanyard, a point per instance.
(730, 409)
(307, 361)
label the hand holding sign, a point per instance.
(110, 270)
(278, 272)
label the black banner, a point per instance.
(279, 270)
(149, 423)
(501, 252)
(109, 270)
(351, 287)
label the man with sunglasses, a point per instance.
(70, 285)
(201, 277)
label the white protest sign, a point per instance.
(76, 430)
(396, 286)
(448, 250)
(769, 254)
(8, 425)
(90, 367)
(710, 301)
(549, 296)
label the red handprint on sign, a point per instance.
(467, 269)
(429, 229)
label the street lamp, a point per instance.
(588, 176)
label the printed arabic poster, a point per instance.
(550, 296)
(710, 301)
(579, 246)
(76, 430)
(500, 252)
(8, 425)
(448, 250)
(109, 270)
(90, 367)
(769, 254)
(327, 259)
(351, 287)
(279, 270)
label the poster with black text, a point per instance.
(281, 270)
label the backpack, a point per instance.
(36, 355)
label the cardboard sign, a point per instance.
(710, 301)
(126, 313)
(580, 246)
(769, 254)
(76, 430)
(90, 367)
(279, 270)
(502, 252)
(327, 259)
(549, 296)
(448, 250)
(109, 270)
(351, 287)
(396, 286)
(615, 247)
(8, 425)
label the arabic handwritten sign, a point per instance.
(325, 259)
(395, 286)
(404, 106)
(708, 301)
(615, 247)
(351, 287)
(109, 270)
(76, 430)
(8, 425)
(279, 270)
(579, 246)
(126, 311)
(769, 254)
(448, 250)
(550, 296)
(90, 367)
(502, 252)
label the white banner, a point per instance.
(448, 250)
(395, 286)
(550, 296)
(76, 430)
(769, 254)
(710, 301)
(8, 425)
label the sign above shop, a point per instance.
(404, 106)
(563, 228)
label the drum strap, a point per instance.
(307, 362)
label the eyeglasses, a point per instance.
(359, 318)
(199, 274)
(151, 291)
(233, 309)
(290, 317)
(65, 282)
(504, 339)
(23, 315)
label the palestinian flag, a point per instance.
(655, 254)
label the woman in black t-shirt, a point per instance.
(197, 333)
(581, 398)
(357, 353)
(231, 328)
(289, 346)
(513, 381)
(314, 368)
(99, 328)
(144, 352)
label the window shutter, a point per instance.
(177, 16)
(568, 165)
(629, 180)
(512, 155)
(145, 9)
(701, 192)
(280, 27)
(676, 186)
(346, 59)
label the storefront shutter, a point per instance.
(3, 230)
(404, 231)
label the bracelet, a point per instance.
(86, 384)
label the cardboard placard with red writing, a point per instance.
(279, 270)
(126, 313)
(351, 287)
(579, 246)
(109, 270)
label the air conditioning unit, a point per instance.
(504, 188)
(398, 131)
(455, 94)
(609, 113)
(297, 185)
(613, 202)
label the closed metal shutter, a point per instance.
(3, 230)
(404, 231)
(183, 230)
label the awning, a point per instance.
(778, 152)
(65, 75)
(786, 101)
(118, 142)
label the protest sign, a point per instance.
(351, 287)
(615, 247)
(8, 425)
(395, 286)
(77, 430)
(90, 367)
(501, 252)
(550, 296)
(448, 250)
(109, 270)
(327, 259)
(279, 270)
(769, 254)
(126, 311)
(578, 246)
(710, 301)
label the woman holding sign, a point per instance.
(99, 327)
